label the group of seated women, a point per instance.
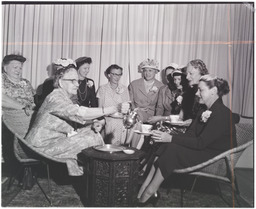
(72, 116)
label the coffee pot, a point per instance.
(130, 118)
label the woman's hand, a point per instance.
(187, 122)
(154, 119)
(160, 136)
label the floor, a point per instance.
(63, 194)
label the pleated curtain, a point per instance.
(126, 34)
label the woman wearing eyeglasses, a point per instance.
(111, 94)
(53, 133)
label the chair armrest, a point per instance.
(227, 154)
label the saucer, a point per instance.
(128, 151)
(143, 133)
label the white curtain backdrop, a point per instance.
(126, 34)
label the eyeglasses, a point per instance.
(115, 74)
(74, 81)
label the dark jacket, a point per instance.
(218, 133)
(86, 94)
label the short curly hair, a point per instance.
(200, 65)
(111, 67)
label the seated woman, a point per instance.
(52, 132)
(111, 94)
(211, 133)
(17, 92)
(17, 100)
(170, 97)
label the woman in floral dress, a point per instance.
(111, 94)
(17, 92)
(53, 132)
(17, 100)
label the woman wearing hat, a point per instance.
(170, 95)
(53, 132)
(17, 92)
(144, 91)
(86, 95)
(17, 101)
(143, 95)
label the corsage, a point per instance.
(206, 115)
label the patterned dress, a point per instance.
(22, 92)
(114, 123)
(53, 133)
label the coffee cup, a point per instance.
(174, 118)
(146, 128)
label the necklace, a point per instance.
(82, 95)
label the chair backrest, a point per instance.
(244, 133)
(217, 165)
(18, 123)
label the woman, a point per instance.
(111, 94)
(209, 135)
(144, 94)
(190, 105)
(170, 97)
(17, 99)
(52, 132)
(17, 92)
(144, 91)
(86, 92)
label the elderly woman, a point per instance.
(17, 100)
(211, 133)
(17, 92)
(52, 132)
(190, 105)
(86, 91)
(144, 91)
(111, 94)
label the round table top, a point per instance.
(114, 156)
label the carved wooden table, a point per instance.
(112, 178)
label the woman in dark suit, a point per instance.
(211, 133)
(86, 94)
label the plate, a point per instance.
(109, 148)
(117, 115)
(143, 133)
(177, 123)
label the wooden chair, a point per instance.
(18, 123)
(221, 167)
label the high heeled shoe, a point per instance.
(152, 200)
